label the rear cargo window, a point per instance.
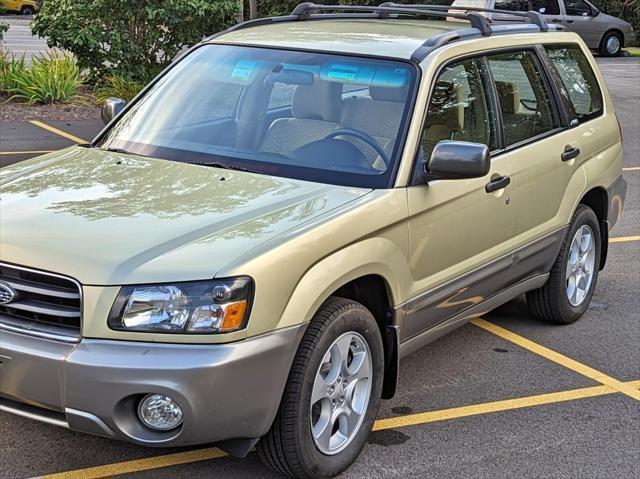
(579, 80)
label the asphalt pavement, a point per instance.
(19, 41)
(497, 405)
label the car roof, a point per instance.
(394, 38)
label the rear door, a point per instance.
(545, 152)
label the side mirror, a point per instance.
(458, 160)
(595, 11)
(111, 108)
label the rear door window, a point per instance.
(579, 81)
(525, 101)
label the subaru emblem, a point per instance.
(7, 294)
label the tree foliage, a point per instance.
(132, 39)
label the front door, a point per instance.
(457, 231)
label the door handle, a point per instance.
(556, 20)
(569, 21)
(569, 153)
(497, 184)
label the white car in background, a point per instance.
(604, 33)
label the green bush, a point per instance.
(54, 77)
(10, 68)
(118, 87)
(279, 7)
(130, 38)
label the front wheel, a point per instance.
(332, 394)
(567, 293)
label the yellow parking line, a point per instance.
(623, 239)
(55, 130)
(25, 152)
(187, 457)
(558, 358)
(631, 168)
(497, 406)
(137, 465)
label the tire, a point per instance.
(611, 44)
(26, 11)
(556, 301)
(290, 447)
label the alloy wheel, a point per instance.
(341, 393)
(580, 265)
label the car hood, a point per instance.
(107, 218)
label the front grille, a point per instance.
(42, 303)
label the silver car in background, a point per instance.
(604, 33)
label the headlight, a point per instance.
(216, 306)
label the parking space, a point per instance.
(506, 396)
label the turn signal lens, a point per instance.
(233, 316)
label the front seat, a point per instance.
(378, 115)
(315, 113)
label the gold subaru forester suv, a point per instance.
(249, 247)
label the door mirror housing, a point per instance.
(458, 160)
(595, 11)
(111, 108)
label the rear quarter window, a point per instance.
(578, 80)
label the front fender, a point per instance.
(372, 256)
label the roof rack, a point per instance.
(480, 25)
(534, 17)
(304, 12)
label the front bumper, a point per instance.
(226, 391)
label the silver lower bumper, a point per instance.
(226, 391)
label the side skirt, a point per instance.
(411, 345)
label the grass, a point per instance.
(633, 51)
(118, 87)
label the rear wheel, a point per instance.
(332, 395)
(611, 44)
(567, 293)
(26, 10)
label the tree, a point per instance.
(253, 9)
(132, 39)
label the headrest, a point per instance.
(320, 101)
(509, 97)
(447, 106)
(382, 93)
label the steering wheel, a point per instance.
(361, 135)
(534, 107)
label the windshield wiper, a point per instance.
(117, 150)
(224, 166)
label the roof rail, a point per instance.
(304, 12)
(534, 17)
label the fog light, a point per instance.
(159, 412)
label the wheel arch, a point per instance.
(368, 272)
(597, 199)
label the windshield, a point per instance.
(311, 116)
